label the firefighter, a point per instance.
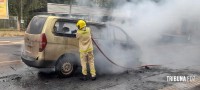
(83, 35)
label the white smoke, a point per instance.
(148, 23)
(83, 2)
(147, 20)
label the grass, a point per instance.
(11, 33)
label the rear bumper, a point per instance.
(38, 63)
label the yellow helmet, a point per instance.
(81, 24)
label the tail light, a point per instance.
(43, 42)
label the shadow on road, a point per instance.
(47, 75)
(51, 74)
(196, 88)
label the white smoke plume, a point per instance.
(148, 21)
(151, 24)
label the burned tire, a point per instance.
(66, 65)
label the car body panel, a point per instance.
(59, 44)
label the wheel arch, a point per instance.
(69, 55)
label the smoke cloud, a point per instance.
(165, 32)
(149, 22)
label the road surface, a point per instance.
(15, 75)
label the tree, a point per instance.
(27, 6)
(30, 7)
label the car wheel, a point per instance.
(65, 66)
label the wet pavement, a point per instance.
(15, 75)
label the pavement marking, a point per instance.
(184, 85)
(10, 43)
(5, 62)
(19, 42)
(5, 44)
(5, 41)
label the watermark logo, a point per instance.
(180, 78)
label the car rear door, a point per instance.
(33, 36)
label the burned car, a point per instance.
(48, 43)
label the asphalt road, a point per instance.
(15, 75)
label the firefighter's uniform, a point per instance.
(86, 50)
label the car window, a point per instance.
(116, 34)
(111, 33)
(97, 32)
(36, 25)
(119, 35)
(64, 27)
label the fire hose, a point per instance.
(145, 66)
(110, 60)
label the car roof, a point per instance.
(72, 20)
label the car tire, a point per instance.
(66, 66)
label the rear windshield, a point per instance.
(36, 25)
